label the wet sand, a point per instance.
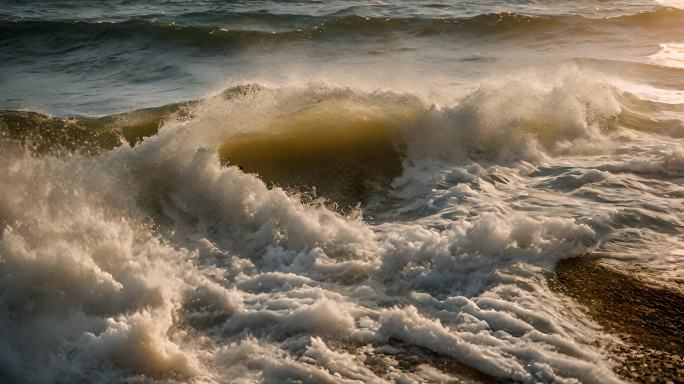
(648, 320)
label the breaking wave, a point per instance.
(180, 249)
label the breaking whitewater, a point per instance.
(319, 233)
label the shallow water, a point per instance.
(333, 191)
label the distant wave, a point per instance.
(295, 27)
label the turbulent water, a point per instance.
(338, 192)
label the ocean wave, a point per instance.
(222, 34)
(44, 133)
(348, 144)
(666, 79)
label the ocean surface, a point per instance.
(341, 191)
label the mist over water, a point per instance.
(336, 192)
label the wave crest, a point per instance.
(201, 36)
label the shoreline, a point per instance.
(648, 320)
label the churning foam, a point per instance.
(157, 260)
(525, 116)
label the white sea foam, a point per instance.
(526, 116)
(669, 162)
(672, 3)
(670, 55)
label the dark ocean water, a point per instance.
(341, 191)
(96, 58)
